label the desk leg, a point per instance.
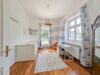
(64, 55)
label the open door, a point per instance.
(4, 36)
(45, 36)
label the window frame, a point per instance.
(75, 27)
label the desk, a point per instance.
(66, 50)
(64, 46)
(71, 49)
(61, 48)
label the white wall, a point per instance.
(35, 24)
(18, 32)
(56, 30)
(93, 7)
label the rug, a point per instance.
(49, 62)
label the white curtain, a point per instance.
(85, 57)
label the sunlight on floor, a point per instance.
(46, 50)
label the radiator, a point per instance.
(74, 51)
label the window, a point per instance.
(72, 23)
(74, 29)
(78, 33)
(78, 21)
(72, 33)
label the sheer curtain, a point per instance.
(85, 56)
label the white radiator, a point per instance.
(74, 51)
(24, 52)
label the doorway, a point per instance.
(45, 36)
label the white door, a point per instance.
(4, 6)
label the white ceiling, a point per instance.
(57, 8)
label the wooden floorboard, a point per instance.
(28, 67)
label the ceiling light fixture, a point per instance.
(49, 3)
(48, 22)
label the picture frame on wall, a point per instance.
(32, 31)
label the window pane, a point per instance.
(78, 21)
(72, 33)
(65, 32)
(72, 23)
(78, 33)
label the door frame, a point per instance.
(4, 23)
(40, 34)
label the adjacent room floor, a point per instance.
(28, 67)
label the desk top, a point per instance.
(64, 46)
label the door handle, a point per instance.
(7, 50)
